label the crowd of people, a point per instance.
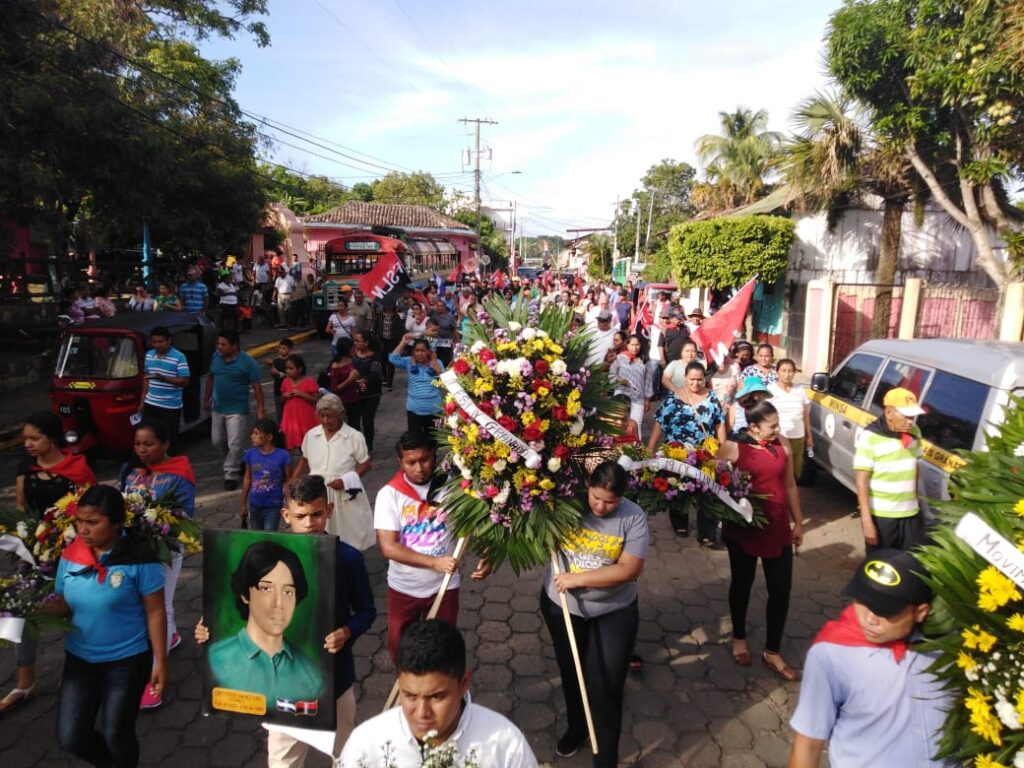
(306, 465)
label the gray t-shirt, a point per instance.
(599, 542)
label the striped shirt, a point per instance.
(194, 296)
(893, 469)
(161, 393)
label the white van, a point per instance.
(963, 385)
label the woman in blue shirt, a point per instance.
(111, 584)
(423, 401)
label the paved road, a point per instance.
(690, 706)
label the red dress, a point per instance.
(768, 471)
(299, 415)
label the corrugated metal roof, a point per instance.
(363, 214)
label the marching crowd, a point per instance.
(305, 468)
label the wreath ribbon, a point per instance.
(741, 507)
(450, 380)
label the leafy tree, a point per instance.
(736, 161)
(304, 195)
(599, 256)
(419, 188)
(728, 251)
(493, 241)
(940, 82)
(667, 185)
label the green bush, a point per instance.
(730, 250)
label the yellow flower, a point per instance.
(543, 391)
(711, 445)
(546, 484)
(995, 590)
(983, 721)
(1019, 507)
(1016, 622)
(985, 761)
(978, 638)
(966, 662)
(528, 418)
(1020, 703)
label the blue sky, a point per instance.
(587, 95)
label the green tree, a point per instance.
(599, 256)
(663, 200)
(736, 161)
(419, 188)
(728, 251)
(940, 82)
(304, 195)
(493, 241)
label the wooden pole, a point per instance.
(460, 547)
(556, 569)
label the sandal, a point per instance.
(741, 657)
(786, 672)
(636, 664)
(15, 697)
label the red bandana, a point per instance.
(403, 486)
(846, 631)
(73, 467)
(173, 465)
(79, 553)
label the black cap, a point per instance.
(887, 582)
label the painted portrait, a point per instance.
(268, 601)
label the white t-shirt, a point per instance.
(284, 285)
(262, 274)
(342, 328)
(228, 294)
(600, 343)
(790, 406)
(394, 511)
(485, 737)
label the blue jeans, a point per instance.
(264, 518)
(116, 688)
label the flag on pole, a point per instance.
(716, 334)
(383, 279)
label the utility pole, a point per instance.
(477, 121)
(636, 248)
(650, 215)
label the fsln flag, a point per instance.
(384, 278)
(716, 334)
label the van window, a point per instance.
(899, 374)
(954, 406)
(852, 382)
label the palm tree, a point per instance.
(831, 161)
(737, 160)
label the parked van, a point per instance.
(963, 385)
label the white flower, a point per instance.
(529, 334)
(515, 327)
(1007, 713)
(70, 533)
(1019, 452)
(502, 498)
(150, 515)
(499, 466)
(22, 530)
(541, 334)
(558, 367)
(1018, 760)
(453, 422)
(466, 474)
(554, 464)
(577, 427)
(458, 460)
(40, 529)
(477, 346)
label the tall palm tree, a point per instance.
(737, 160)
(831, 161)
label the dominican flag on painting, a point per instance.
(385, 278)
(716, 334)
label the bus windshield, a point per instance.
(351, 263)
(97, 357)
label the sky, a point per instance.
(586, 94)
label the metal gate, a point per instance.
(852, 312)
(957, 313)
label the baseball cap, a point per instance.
(696, 312)
(750, 385)
(603, 315)
(886, 582)
(904, 401)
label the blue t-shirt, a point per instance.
(423, 399)
(269, 472)
(193, 296)
(870, 708)
(109, 618)
(231, 382)
(167, 488)
(160, 393)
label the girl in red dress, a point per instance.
(299, 394)
(766, 455)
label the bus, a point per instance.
(342, 261)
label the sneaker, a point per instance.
(149, 701)
(570, 744)
(175, 641)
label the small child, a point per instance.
(276, 365)
(865, 691)
(306, 512)
(267, 468)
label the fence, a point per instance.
(958, 313)
(853, 313)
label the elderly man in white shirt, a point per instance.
(601, 338)
(597, 309)
(436, 714)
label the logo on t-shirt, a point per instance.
(589, 550)
(423, 533)
(116, 579)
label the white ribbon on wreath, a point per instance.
(661, 464)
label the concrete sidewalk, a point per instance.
(16, 404)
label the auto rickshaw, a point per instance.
(98, 377)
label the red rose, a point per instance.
(487, 407)
(559, 413)
(449, 408)
(486, 355)
(461, 367)
(660, 484)
(508, 423)
(538, 383)
(702, 456)
(561, 452)
(541, 367)
(724, 479)
(532, 433)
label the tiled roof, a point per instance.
(385, 215)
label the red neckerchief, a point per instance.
(626, 438)
(629, 355)
(403, 486)
(172, 465)
(79, 553)
(906, 438)
(846, 631)
(73, 467)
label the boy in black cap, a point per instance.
(865, 691)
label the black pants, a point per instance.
(778, 577)
(115, 687)
(389, 369)
(417, 423)
(707, 526)
(360, 416)
(898, 532)
(171, 417)
(605, 643)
